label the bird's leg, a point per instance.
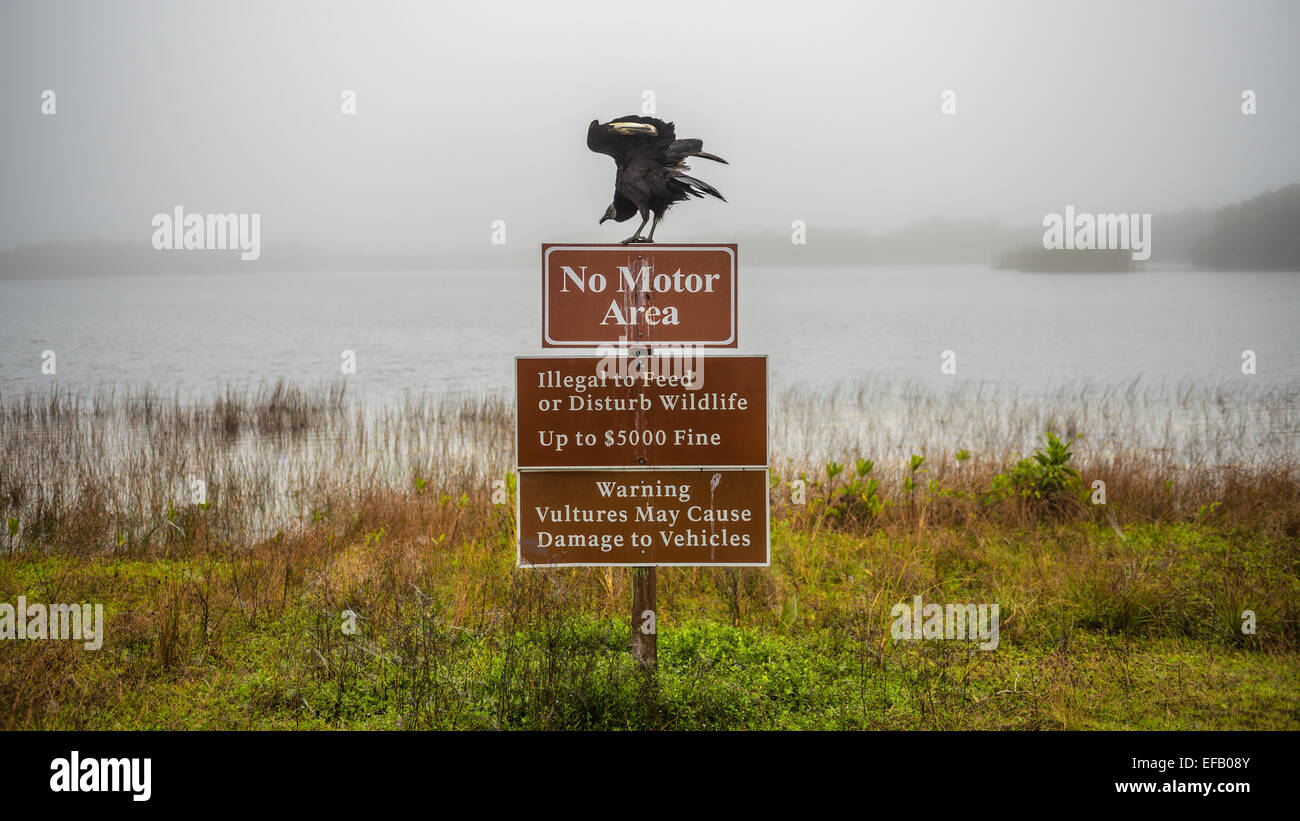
(637, 236)
(651, 238)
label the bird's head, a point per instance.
(621, 209)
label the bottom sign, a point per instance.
(643, 517)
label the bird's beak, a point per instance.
(634, 128)
(602, 220)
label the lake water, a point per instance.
(434, 331)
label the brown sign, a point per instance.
(596, 295)
(652, 411)
(643, 517)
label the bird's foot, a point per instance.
(635, 239)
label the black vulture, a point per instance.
(651, 168)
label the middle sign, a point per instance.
(658, 411)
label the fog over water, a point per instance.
(436, 332)
(829, 112)
(953, 125)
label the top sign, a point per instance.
(638, 295)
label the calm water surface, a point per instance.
(820, 326)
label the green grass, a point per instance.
(228, 613)
(1099, 631)
(711, 676)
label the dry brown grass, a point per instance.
(318, 505)
(99, 473)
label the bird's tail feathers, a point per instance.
(698, 188)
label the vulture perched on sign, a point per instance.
(651, 169)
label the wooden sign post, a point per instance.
(645, 612)
(650, 453)
(645, 578)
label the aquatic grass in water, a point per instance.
(227, 613)
(101, 470)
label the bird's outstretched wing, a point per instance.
(681, 149)
(631, 137)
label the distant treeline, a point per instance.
(1036, 258)
(102, 257)
(1260, 234)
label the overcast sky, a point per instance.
(470, 112)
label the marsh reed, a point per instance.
(227, 613)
